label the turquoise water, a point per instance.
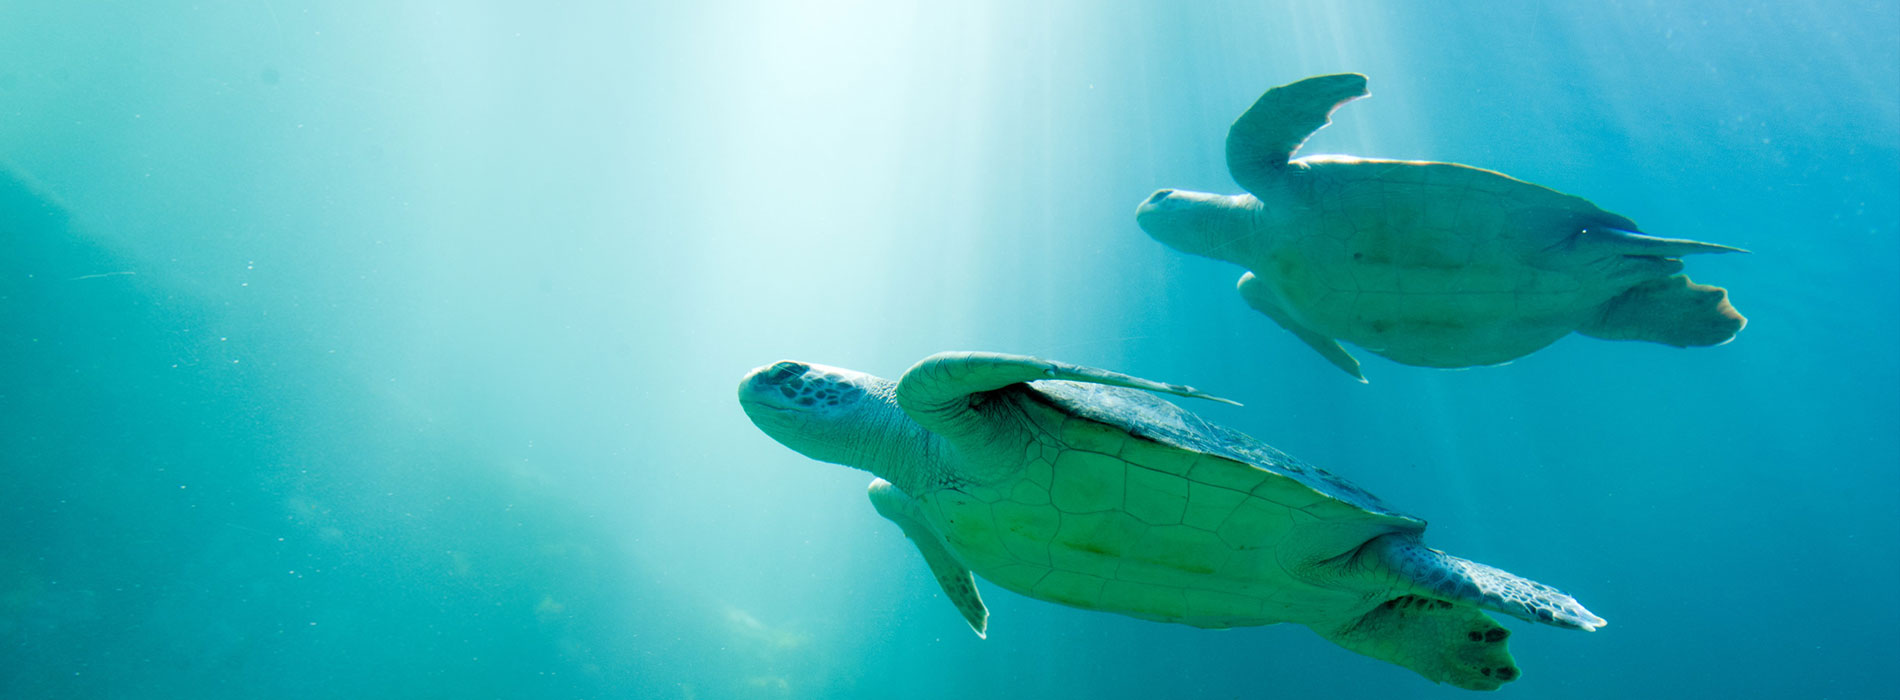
(369, 349)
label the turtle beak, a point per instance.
(1197, 223)
(1160, 209)
(1157, 215)
(1154, 203)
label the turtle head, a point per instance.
(1198, 223)
(825, 413)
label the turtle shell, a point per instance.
(1126, 503)
(1149, 417)
(1440, 264)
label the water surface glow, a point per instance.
(368, 349)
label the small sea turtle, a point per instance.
(1428, 264)
(1056, 482)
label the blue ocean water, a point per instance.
(370, 349)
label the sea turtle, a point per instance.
(1066, 484)
(1428, 264)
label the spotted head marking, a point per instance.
(825, 413)
(802, 386)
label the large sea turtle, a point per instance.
(1057, 482)
(1428, 264)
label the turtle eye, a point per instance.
(784, 371)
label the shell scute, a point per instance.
(1255, 524)
(1029, 493)
(1024, 530)
(1174, 555)
(1288, 493)
(1209, 505)
(1071, 588)
(1159, 457)
(1095, 437)
(1156, 498)
(1216, 605)
(1094, 543)
(1087, 482)
(1226, 473)
(1155, 602)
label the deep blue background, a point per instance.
(388, 349)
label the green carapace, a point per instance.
(1077, 486)
(1428, 264)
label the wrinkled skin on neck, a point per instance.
(842, 417)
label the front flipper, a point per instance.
(1442, 641)
(957, 581)
(1622, 242)
(936, 391)
(1266, 135)
(1263, 300)
(1617, 254)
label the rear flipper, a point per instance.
(1671, 311)
(1440, 575)
(1444, 642)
